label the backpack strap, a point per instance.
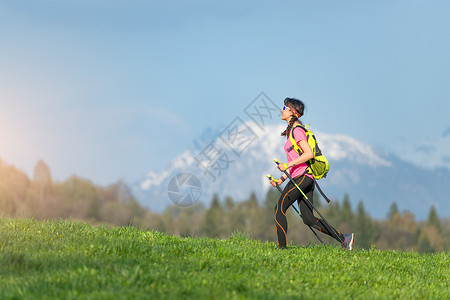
(299, 151)
(297, 147)
(293, 141)
(320, 191)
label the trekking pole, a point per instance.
(306, 198)
(279, 189)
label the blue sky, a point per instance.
(109, 90)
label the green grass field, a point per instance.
(71, 260)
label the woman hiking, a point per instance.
(297, 167)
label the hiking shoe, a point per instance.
(348, 241)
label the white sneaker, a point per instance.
(348, 241)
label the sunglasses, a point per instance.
(285, 107)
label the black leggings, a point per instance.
(288, 197)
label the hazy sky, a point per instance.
(109, 90)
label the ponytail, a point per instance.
(287, 131)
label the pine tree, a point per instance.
(42, 173)
(366, 230)
(433, 219)
(392, 211)
(229, 203)
(425, 245)
(212, 226)
(317, 199)
(272, 197)
(346, 212)
(42, 180)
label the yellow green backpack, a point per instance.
(318, 166)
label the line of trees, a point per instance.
(75, 198)
(80, 199)
(399, 231)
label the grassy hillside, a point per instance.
(68, 260)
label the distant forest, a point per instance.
(81, 200)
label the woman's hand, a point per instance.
(283, 167)
(276, 182)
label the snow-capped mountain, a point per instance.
(234, 162)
